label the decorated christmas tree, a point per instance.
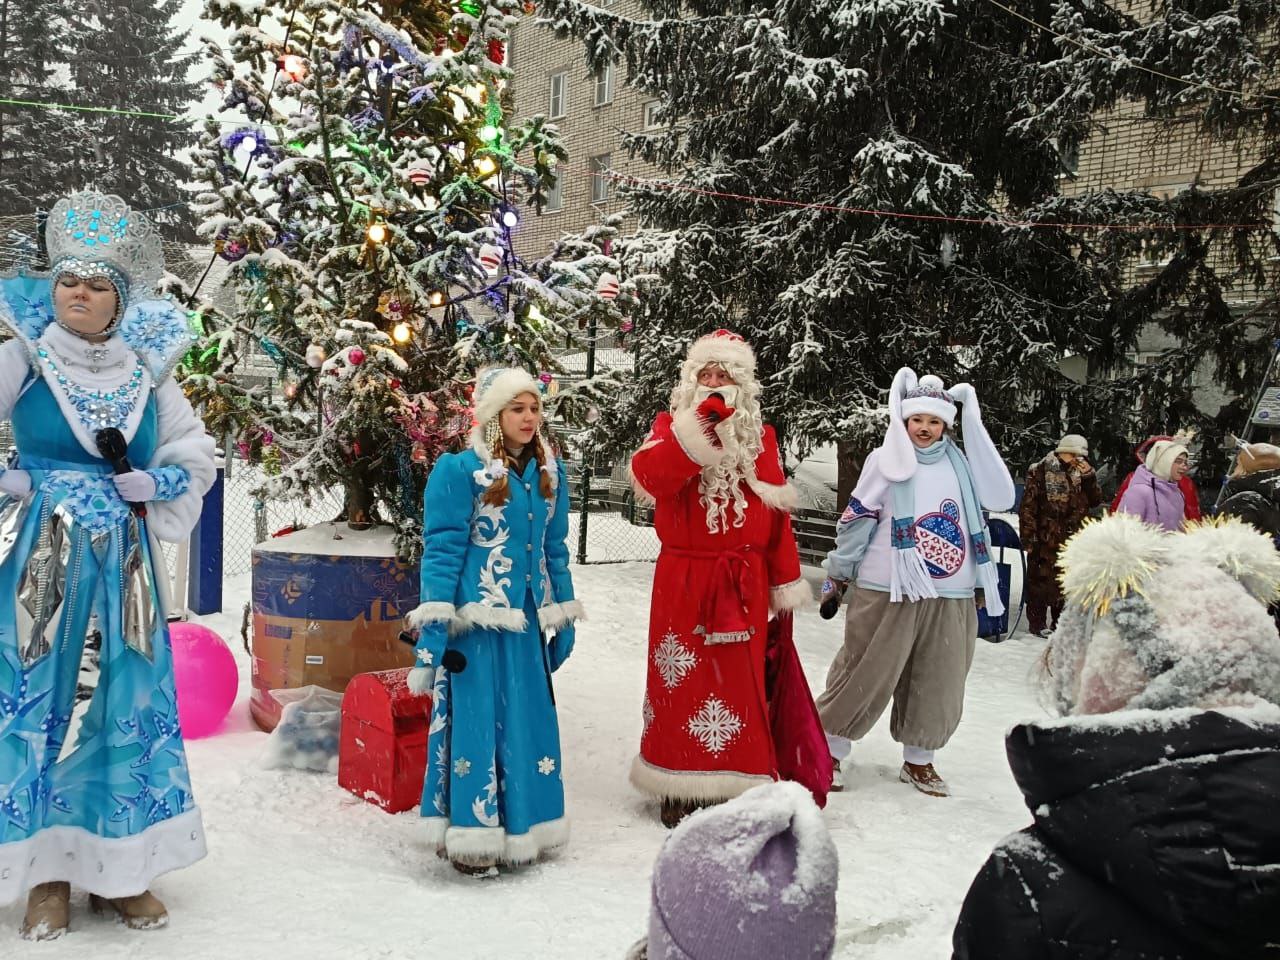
(855, 186)
(367, 204)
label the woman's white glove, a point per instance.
(136, 486)
(16, 483)
(421, 680)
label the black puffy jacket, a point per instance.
(1157, 836)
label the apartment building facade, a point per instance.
(592, 113)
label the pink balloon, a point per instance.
(205, 674)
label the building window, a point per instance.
(555, 195)
(559, 94)
(604, 85)
(601, 185)
(651, 121)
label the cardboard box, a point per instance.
(328, 604)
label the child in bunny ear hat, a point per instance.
(914, 542)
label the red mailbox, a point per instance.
(382, 753)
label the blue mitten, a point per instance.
(561, 646)
(432, 638)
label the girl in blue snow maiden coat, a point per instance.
(495, 581)
(96, 795)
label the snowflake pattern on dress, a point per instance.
(92, 500)
(157, 331)
(715, 726)
(673, 660)
(547, 766)
(646, 714)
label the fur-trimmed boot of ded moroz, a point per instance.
(141, 912)
(48, 911)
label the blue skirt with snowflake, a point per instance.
(494, 790)
(94, 787)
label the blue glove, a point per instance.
(432, 638)
(561, 646)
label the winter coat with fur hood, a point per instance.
(1155, 837)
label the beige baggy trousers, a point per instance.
(916, 652)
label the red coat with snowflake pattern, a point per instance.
(706, 722)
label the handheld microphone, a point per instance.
(112, 446)
(455, 661)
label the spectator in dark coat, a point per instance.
(1060, 491)
(1155, 798)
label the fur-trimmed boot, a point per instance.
(48, 911)
(143, 912)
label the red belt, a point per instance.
(723, 616)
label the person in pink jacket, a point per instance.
(1154, 494)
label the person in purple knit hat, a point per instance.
(753, 877)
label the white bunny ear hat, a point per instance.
(909, 396)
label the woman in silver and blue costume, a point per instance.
(93, 793)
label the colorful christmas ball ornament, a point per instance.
(608, 286)
(626, 326)
(233, 251)
(355, 356)
(490, 257)
(315, 356)
(419, 173)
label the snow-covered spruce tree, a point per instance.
(945, 116)
(34, 149)
(125, 54)
(367, 204)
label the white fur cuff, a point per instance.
(433, 611)
(555, 615)
(661, 783)
(790, 596)
(693, 440)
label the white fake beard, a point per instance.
(728, 393)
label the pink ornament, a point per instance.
(268, 438)
(356, 356)
(419, 173)
(490, 257)
(545, 377)
(626, 326)
(206, 677)
(608, 286)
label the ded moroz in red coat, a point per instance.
(706, 721)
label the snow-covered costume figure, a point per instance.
(97, 795)
(728, 562)
(495, 577)
(1154, 796)
(914, 540)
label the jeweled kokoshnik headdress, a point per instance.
(90, 235)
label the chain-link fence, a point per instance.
(248, 521)
(606, 525)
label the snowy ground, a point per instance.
(300, 870)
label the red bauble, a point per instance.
(356, 356)
(395, 384)
(497, 52)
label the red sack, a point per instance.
(798, 739)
